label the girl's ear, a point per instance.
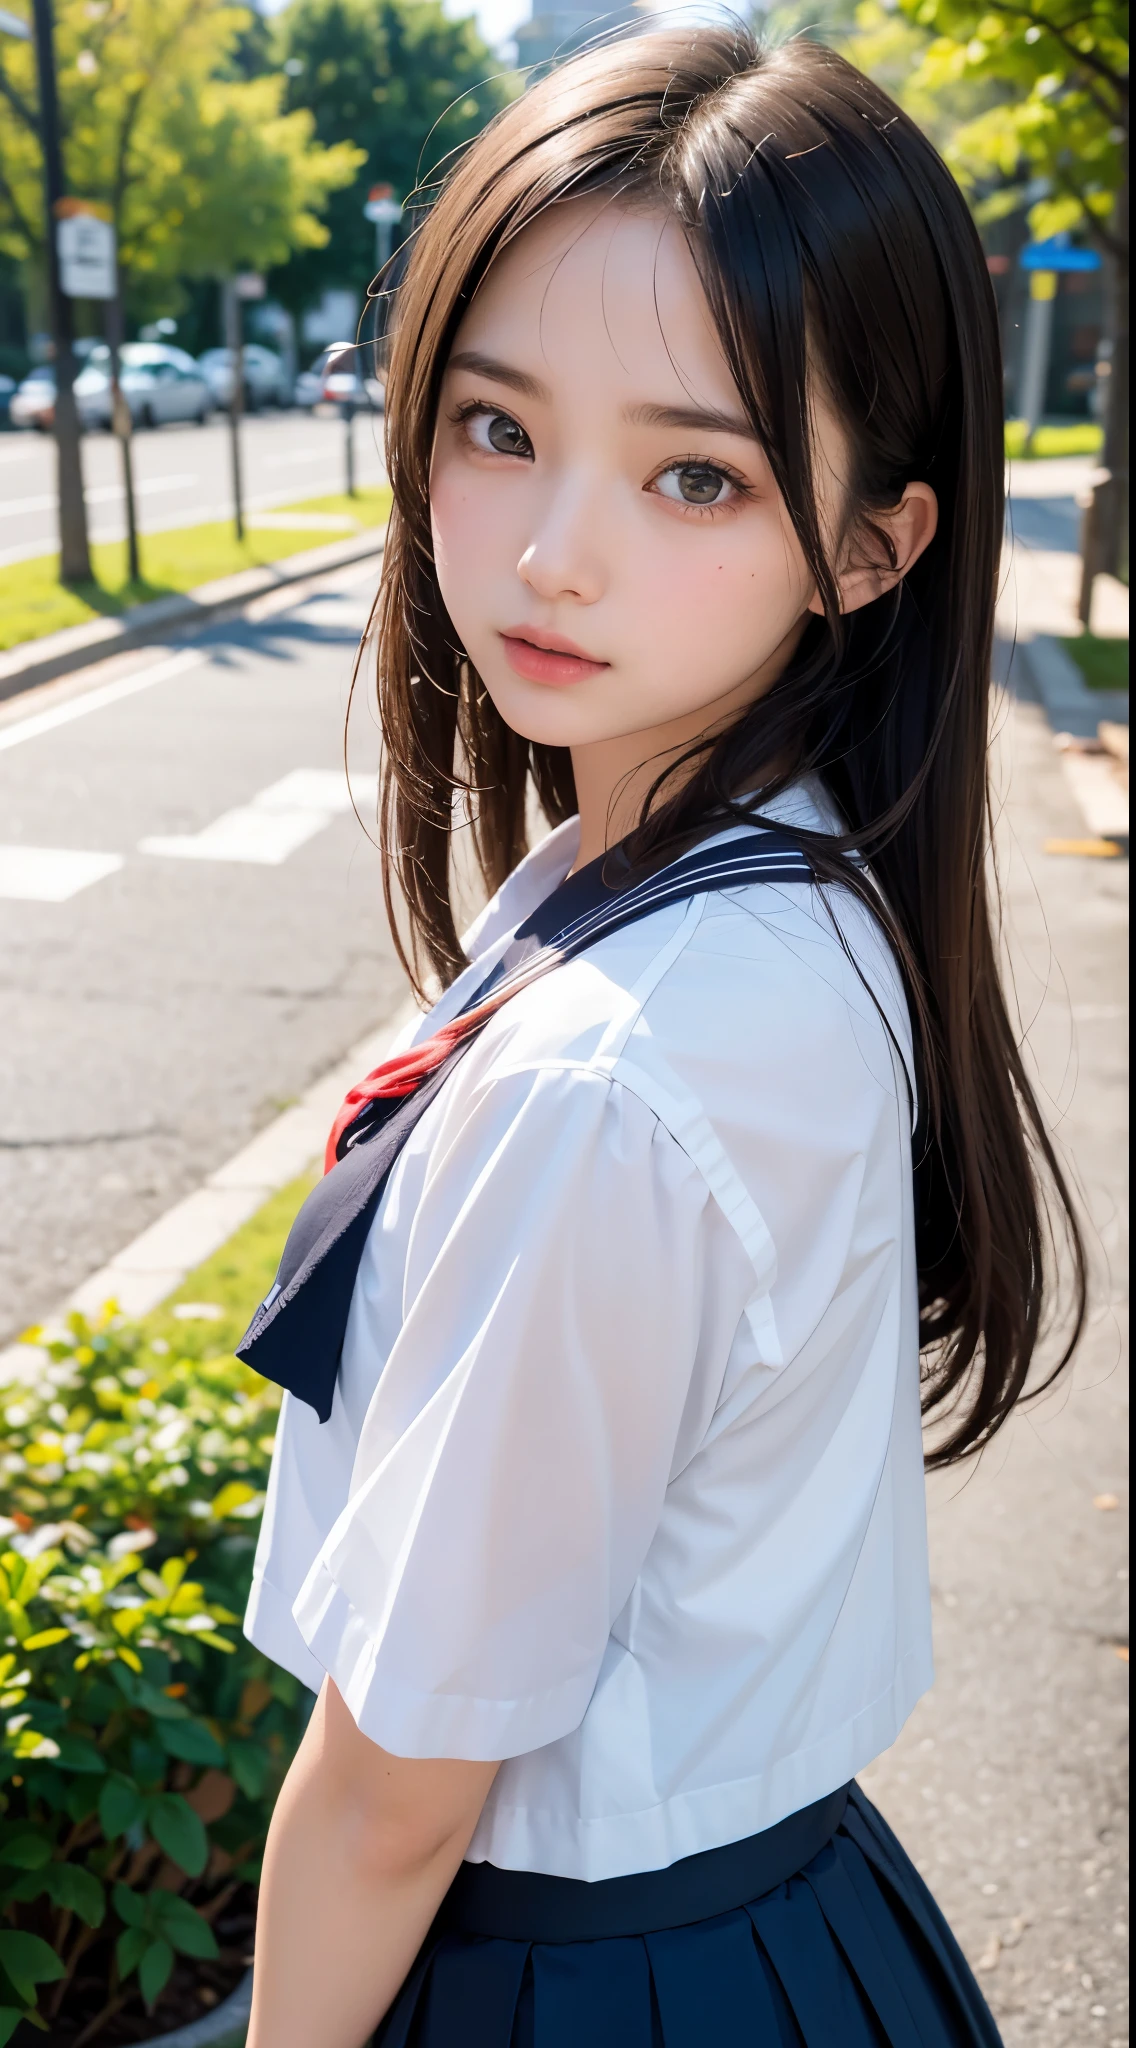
(883, 549)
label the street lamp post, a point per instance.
(74, 553)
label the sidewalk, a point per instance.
(1008, 1784)
(1037, 611)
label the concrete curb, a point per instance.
(40, 661)
(225, 2027)
(1075, 712)
(1069, 703)
(149, 1269)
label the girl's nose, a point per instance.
(564, 558)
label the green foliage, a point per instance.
(1082, 437)
(141, 1739)
(1053, 129)
(408, 85)
(202, 170)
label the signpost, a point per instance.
(245, 285)
(87, 250)
(344, 356)
(384, 210)
(85, 245)
(1043, 262)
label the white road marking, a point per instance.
(94, 700)
(97, 494)
(51, 874)
(264, 832)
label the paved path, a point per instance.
(176, 993)
(1008, 1784)
(181, 475)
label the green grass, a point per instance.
(34, 602)
(1103, 663)
(1080, 437)
(234, 1280)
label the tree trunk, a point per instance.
(1104, 543)
(74, 558)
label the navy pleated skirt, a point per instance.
(850, 1952)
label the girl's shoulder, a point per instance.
(783, 990)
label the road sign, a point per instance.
(86, 249)
(1058, 253)
(382, 207)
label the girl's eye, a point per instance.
(695, 483)
(496, 434)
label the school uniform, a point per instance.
(620, 1478)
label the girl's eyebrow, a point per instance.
(697, 419)
(500, 373)
(691, 418)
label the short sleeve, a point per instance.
(513, 1463)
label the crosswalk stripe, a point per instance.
(264, 832)
(51, 874)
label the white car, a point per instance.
(32, 404)
(333, 380)
(265, 378)
(160, 384)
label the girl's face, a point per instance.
(610, 544)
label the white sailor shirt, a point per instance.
(623, 1479)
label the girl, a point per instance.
(596, 1516)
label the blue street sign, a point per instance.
(1058, 253)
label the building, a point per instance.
(553, 33)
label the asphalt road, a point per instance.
(182, 474)
(163, 1012)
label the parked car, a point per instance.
(7, 392)
(32, 404)
(265, 378)
(333, 380)
(159, 384)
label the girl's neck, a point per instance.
(614, 776)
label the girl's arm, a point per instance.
(362, 1847)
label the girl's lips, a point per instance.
(548, 664)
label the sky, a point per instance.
(496, 19)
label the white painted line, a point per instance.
(95, 700)
(100, 494)
(146, 1271)
(1102, 797)
(247, 837)
(264, 833)
(51, 874)
(315, 789)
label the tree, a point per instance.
(202, 170)
(407, 84)
(1055, 139)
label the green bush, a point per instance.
(142, 1740)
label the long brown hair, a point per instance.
(832, 243)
